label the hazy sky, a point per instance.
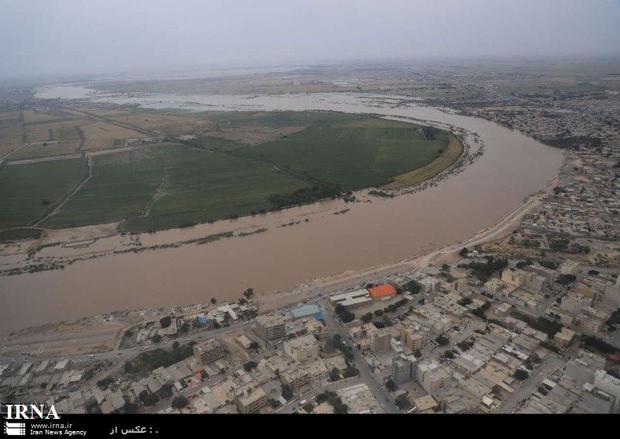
(50, 37)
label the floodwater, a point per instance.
(512, 167)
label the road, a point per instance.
(536, 378)
(75, 190)
(366, 375)
(120, 354)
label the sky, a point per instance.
(73, 37)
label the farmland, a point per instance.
(355, 154)
(231, 164)
(28, 191)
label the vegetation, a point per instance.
(248, 366)
(391, 385)
(614, 319)
(334, 400)
(442, 340)
(179, 402)
(206, 179)
(151, 360)
(305, 195)
(344, 314)
(542, 324)
(521, 375)
(402, 402)
(413, 286)
(597, 345)
(565, 279)
(352, 151)
(19, 234)
(484, 270)
(28, 192)
(480, 312)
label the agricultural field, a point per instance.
(355, 154)
(170, 185)
(27, 192)
(237, 163)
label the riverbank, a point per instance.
(374, 231)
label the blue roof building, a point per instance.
(307, 311)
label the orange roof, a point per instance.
(382, 291)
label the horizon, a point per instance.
(111, 37)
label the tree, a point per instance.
(413, 286)
(521, 375)
(308, 407)
(147, 398)
(249, 293)
(334, 375)
(351, 372)
(179, 402)
(449, 355)
(165, 322)
(391, 385)
(402, 402)
(442, 340)
(254, 346)
(249, 365)
(464, 252)
(156, 338)
(565, 279)
(366, 318)
(213, 300)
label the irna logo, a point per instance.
(30, 411)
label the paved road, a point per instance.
(366, 375)
(119, 354)
(531, 384)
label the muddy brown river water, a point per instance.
(512, 167)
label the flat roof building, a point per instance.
(306, 310)
(352, 299)
(209, 351)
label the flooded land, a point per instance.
(277, 251)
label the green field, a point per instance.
(209, 178)
(354, 154)
(27, 192)
(193, 185)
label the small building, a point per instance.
(307, 310)
(403, 368)
(425, 404)
(381, 341)
(251, 400)
(302, 348)
(209, 351)
(271, 327)
(564, 337)
(352, 299)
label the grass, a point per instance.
(27, 192)
(444, 161)
(193, 186)
(206, 179)
(19, 234)
(354, 154)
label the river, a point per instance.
(512, 167)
